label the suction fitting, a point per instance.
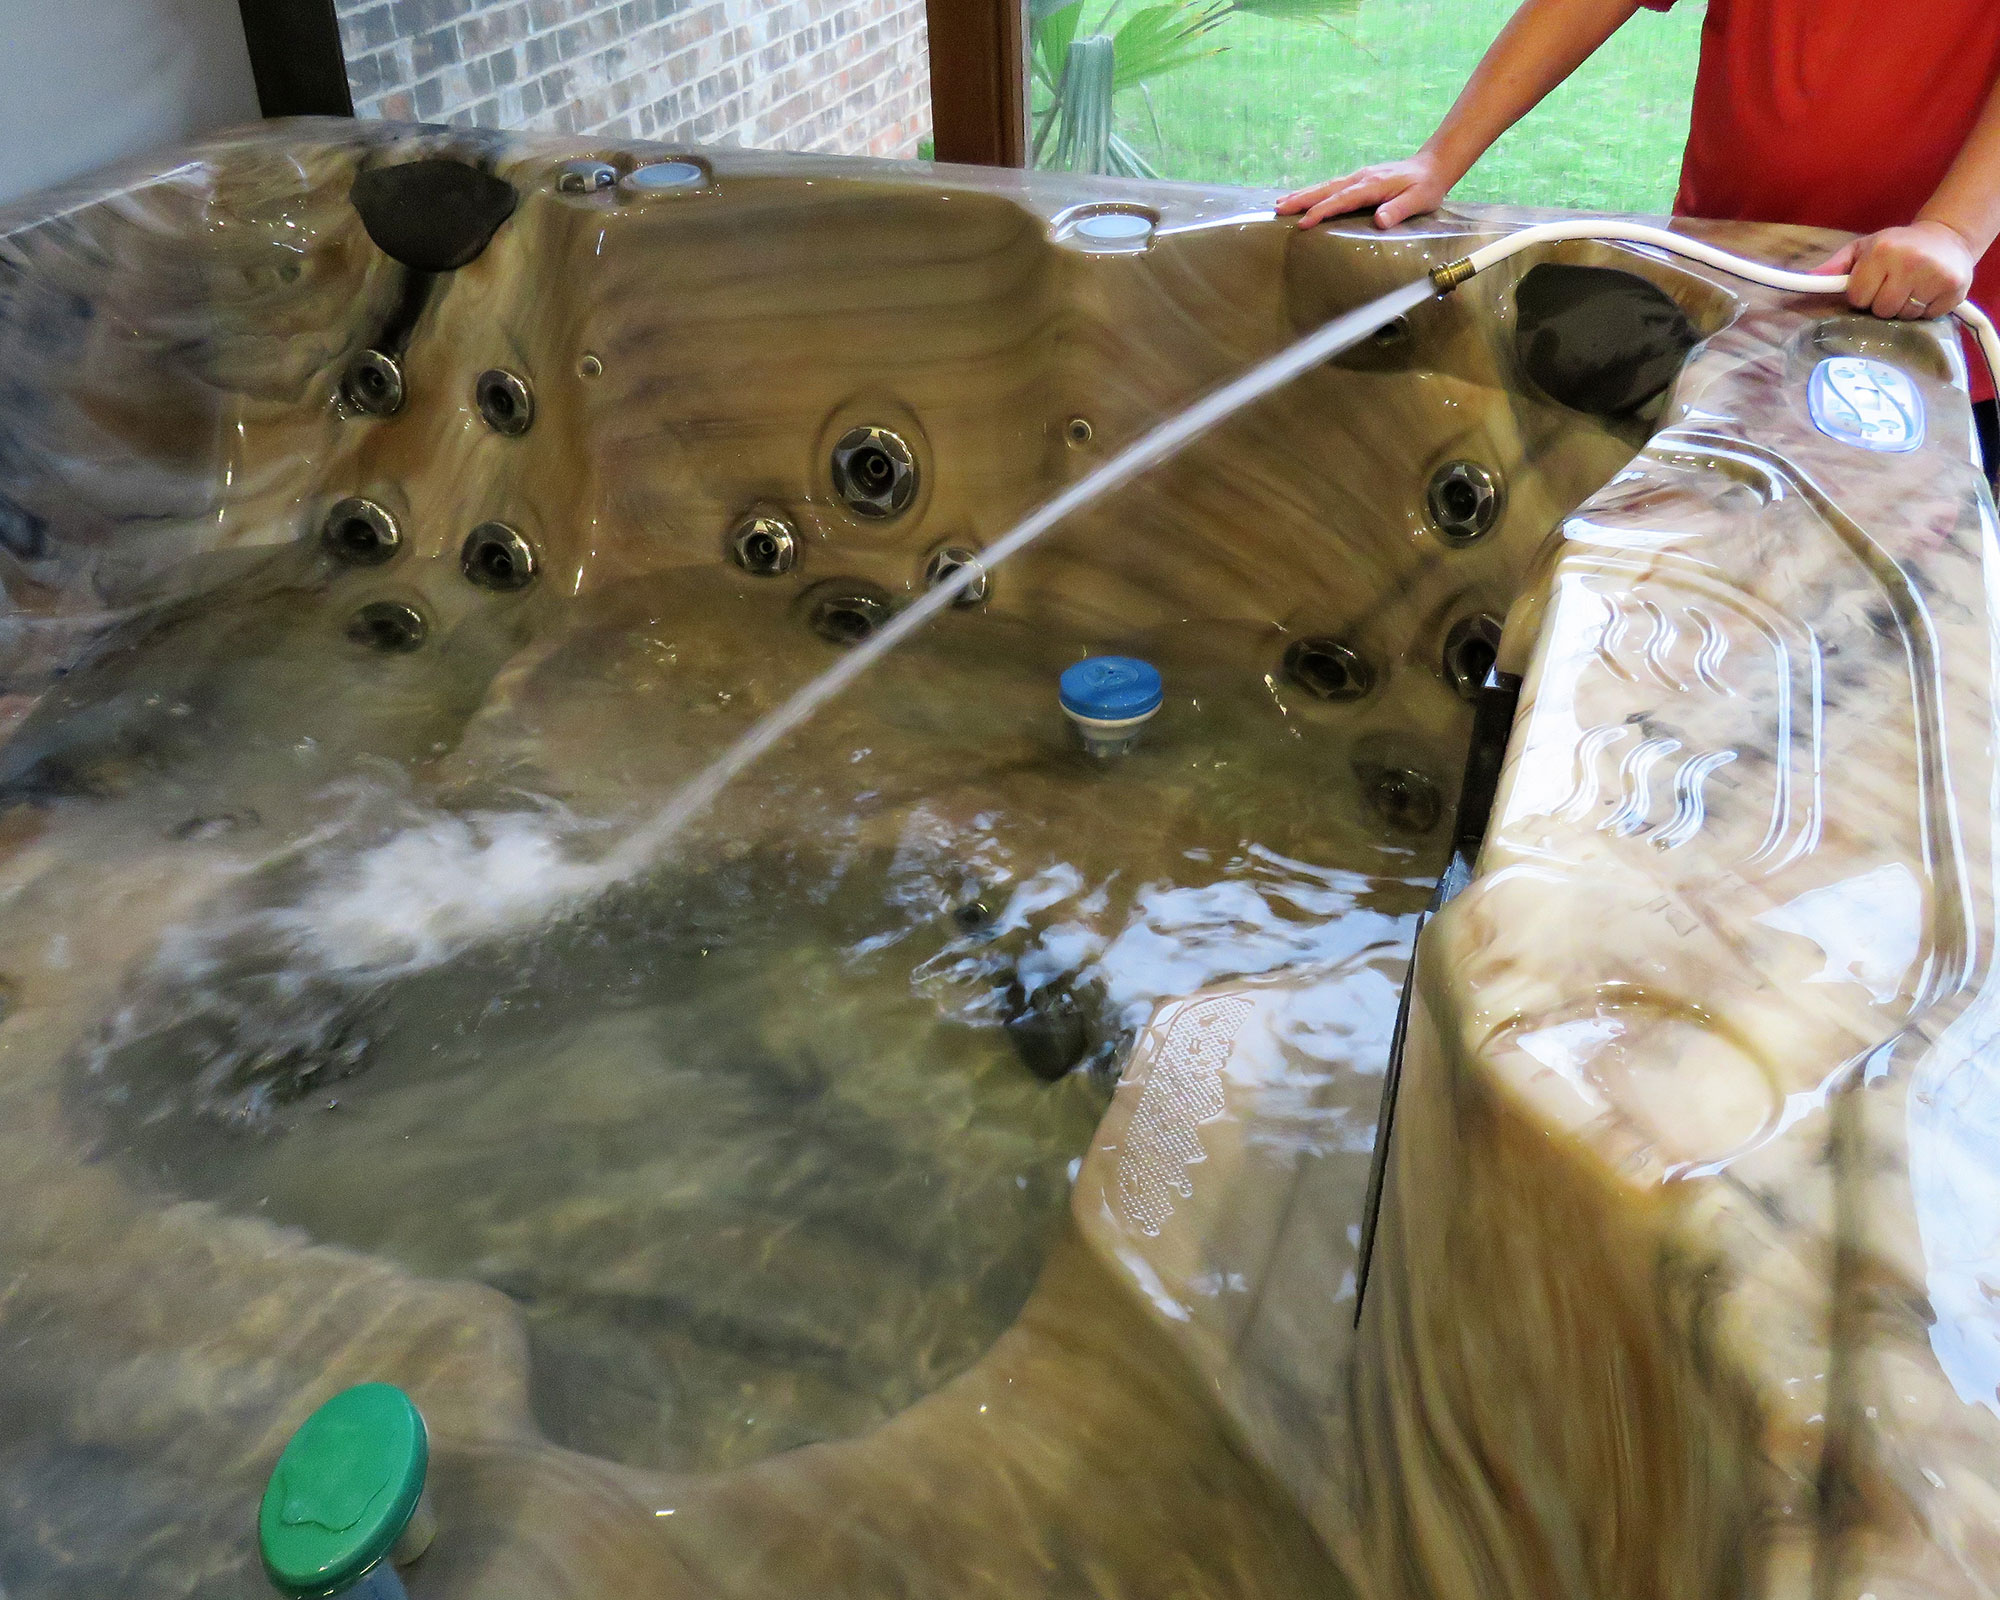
(496, 556)
(373, 383)
(972, 917)
(764, 544)
(874, 472)
(658, 176)
(1328, 670)
(1078, 431)
(943, 563)
(1049, 1030)
(200, 829)
(1403, 799)
(505, 401)
(585, 177)
(360, 533)
(1464, 500)
(847, 611)
(391, 626)
(1470, 650)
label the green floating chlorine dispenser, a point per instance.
(345, 1506)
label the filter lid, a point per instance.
(1112, 688)
(343, 1490)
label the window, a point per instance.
(1286, 92)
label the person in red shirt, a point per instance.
(1882, 120)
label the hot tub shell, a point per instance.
(1684, 1273)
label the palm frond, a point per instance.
(1161, 38)
(1054, 27)
(1083, 76)
(1083, 141)
(1126, 162)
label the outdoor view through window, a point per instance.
(1259, 92)
(1288, 91)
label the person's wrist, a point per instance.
(1958, 232)
(1447, 164)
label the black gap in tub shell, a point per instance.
(1598, 340)
(1495, 702)
(393, 338)
(433, 215)
(389, 344)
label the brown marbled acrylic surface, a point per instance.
(1684, 1282)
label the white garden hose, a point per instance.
(1451, 275)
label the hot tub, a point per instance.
(950, 1167)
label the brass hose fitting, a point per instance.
(1449, 276)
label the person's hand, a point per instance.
(1396, 189)
(1924, 270)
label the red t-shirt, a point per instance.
(1838, 113)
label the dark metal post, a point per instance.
(296, 58)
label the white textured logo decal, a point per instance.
(1183, 1090)
(1869, 404)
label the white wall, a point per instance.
(83, 82)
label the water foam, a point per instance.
(432, 889)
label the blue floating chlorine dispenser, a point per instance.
(1110, 699)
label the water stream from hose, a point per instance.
(641, 847)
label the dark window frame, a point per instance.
(296, 58)
(979, 106)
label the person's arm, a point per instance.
(1926, 268)
(1545, 42)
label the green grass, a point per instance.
(1289, 103)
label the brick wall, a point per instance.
(847, 76)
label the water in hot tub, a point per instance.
(772, 1139)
